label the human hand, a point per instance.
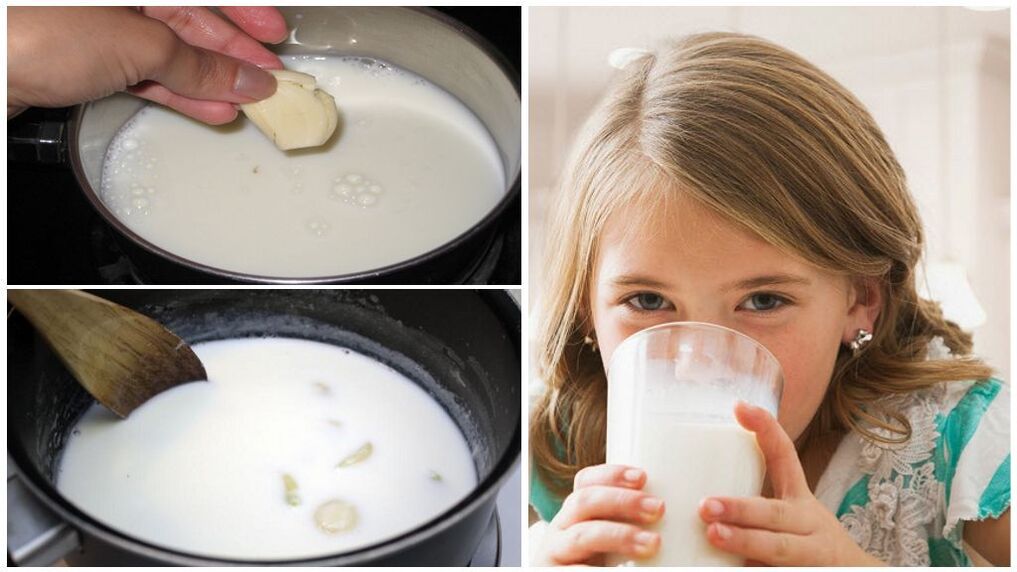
(602, 515)
(791, 529)
(187, 58)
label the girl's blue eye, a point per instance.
(648, 302)
(762, 302)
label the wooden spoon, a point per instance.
(121, 357)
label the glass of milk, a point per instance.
(672, 390)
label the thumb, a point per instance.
(782, 464)
(198, 73)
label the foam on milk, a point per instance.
(202, 468)
(409, 169)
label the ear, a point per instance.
(864, 306)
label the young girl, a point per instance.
(727, 180)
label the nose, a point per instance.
(702, 313)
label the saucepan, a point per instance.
(461, 346)
(421, 40)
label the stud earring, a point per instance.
(591, 342)
(862, 338)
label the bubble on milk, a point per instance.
(318, 227)
(131, 161)
(356, 189)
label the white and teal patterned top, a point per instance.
(906, 504)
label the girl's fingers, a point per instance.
(782, 464)
(584, 540)
(202, 28)
(778, 515)
(772, 548)
(211, 112)
(600, 502)
(610, 475)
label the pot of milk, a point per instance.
(409, 188)
(672, 390)
(336, 427)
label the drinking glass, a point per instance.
(672, 390)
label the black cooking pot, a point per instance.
(422, 40)
(461, 346)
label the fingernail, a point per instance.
(713, 507)
(253, 82)
(651, 505)
(722, 531)
(646, 539)
(632, 475)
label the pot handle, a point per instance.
(36, 536)
(38, 136)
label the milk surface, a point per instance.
(200, 468)
(410, 168)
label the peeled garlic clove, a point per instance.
(298, 115)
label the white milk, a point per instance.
(409, 169)
(684, 463)
(200, 468)
(675, 420)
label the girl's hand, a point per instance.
(791, 529)
(601, 516)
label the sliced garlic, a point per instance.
(298, 115)
(357, 456)
(336, 516)
(290, 484)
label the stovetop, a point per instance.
(54, 236)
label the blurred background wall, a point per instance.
(937, 80)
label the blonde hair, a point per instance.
(762, 136)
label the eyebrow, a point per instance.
(746, 284)
(639, 280)
(768, 280)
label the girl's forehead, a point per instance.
(681, 240)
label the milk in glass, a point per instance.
(670, 412)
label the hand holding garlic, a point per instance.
(298, 115)
(188, 58)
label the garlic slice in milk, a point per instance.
(290, 484)
(357, 456)
(297, 115)
(336, 516)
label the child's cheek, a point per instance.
(807, 372)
